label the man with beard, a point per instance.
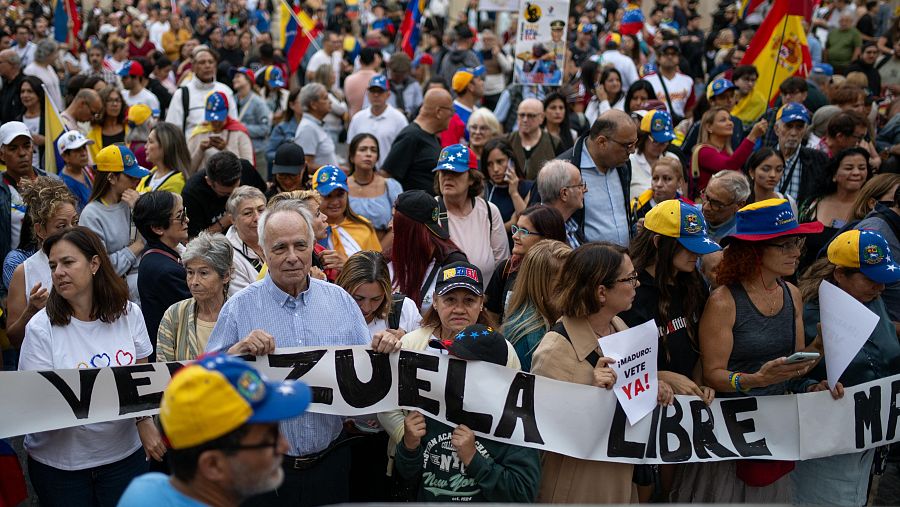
(220, 420)
(197, 89)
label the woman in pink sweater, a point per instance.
(713, 152)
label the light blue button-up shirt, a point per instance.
(604, 206)
(323, 315)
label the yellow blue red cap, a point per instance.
(457, 158)
(216, 106)
(677, 219)
(866, 251)
(659, 125)
(767, 219)
(117, 158)
(329, 178)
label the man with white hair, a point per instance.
(560, 186)
(317, 144)
(11, 72)
(288, 308)
(726, 193)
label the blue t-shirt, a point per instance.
(155, 490)
(81, 190)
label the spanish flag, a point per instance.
(297, 31)
(778, 50)
(53, 129)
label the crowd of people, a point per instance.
(207, 198)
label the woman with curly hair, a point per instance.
(750, 324)
(51, 208)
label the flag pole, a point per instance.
(300, 25)
(775, 71)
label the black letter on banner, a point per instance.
(454, 392)
(174, 367)
(86, 379)
(408, 385)
(704, 434)
(127, 387)
(362, 394)
(736, 429)
(522, 383)
(302, 362)
(654, 425)
(672, 426)
(618, 447)
(894, 413)
(868, 415)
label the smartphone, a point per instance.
(799, 357)
(510, 170)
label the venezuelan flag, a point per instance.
(748, 6)
(297, 31)
(778, 50)
(53, 129)
(63, 12)
(409, 29)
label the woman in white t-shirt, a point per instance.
(366, 278)
(88, 322)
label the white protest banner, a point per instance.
(634, 350)
(541, 43)
(846, 325)
(497, 403)
(498, 5)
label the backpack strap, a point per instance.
(396, 309)
(593, 358)
(161, 252)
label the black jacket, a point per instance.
(162, 282)
(573, 156)
(814, 175)
(12, 108)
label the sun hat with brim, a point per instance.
(771, 218)
(328, 179)
(218, 394)
(116, 158)
(678, 219)
(420, 206)
(866, 251)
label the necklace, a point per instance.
(356, 180)
(609, 331)
(771, 302)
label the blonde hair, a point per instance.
(531, 306)
(706, 121)
(879, 184)
(368, 267)
(487, 116)
(298, 195)
(672, 163)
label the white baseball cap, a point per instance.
(11, 130)
(71, 140)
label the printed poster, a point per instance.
(541, 45)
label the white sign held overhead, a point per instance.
(634, 351)
(846, 325)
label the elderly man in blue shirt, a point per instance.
(288, 308)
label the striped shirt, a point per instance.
(323, 315)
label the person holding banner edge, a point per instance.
(598, 282)
(88, 323)
(286, 309)
(750, 324)
(860, 263)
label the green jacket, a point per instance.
(498, 473)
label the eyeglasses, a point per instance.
(528, 116)
(632, 279)
(582, 186)
(515, 229)
(713, 203)
(275, 433)
(630, 147)
(795, 243)
(181, 216)
(479, 128)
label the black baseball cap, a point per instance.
(289, 159)
(423, 208)
(459, 275)
(669, 44)
(476, 343)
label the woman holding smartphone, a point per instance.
(502, 172)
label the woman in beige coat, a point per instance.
(598, 281)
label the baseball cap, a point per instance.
(11, 130)
(677, 219)
(289, 159)
(71, 140)
(457, 158)
(139, 113)
(612, 40)
(586, 28)
(131, 68)
(245, 71)
(216, 106)
(659, 125)
(475, 343)
(463, 31)
(793, 111)
(824, 69)
(379, 81)
(669, 44)
(117, 158)
(218, 394)
(463, 77)
(274, 76)
(423, 208)
(718, 87)
(459, 275)
(866, 251)
(328, 179)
